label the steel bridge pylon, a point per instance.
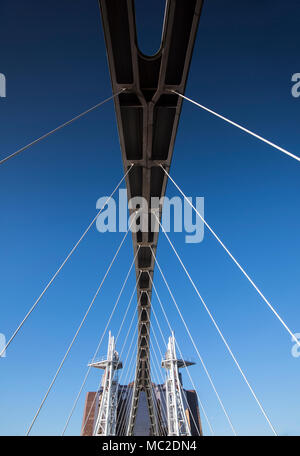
(106, 421)
(177, 420)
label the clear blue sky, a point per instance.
(54, 59)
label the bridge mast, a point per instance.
(107, 416)
(147, 116)
(177, 419)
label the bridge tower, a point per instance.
(106, 420)
(177, 420)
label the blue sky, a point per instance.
(54, 59)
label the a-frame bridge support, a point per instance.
(177, 420)
(147, 116)
(106, 420)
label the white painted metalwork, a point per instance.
(106, 421)
(177, 419)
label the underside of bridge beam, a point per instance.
(147, 116)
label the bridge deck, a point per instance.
(147, 116)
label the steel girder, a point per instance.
(147, 117)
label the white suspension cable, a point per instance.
(131, 298)
(148, 363)
(235, 261)
(160, 352)
(128, 371)
(59, 128)
(196, 349)
(154, 367)
(154, 334)
(158, 365)
(239, 126)
(125, 405)
(184, 394)
(180, 352)
(219, 331)
(125, 363)
(155, 378)
(159, 327)
(159, 379)
(129, 332)
(76, 334)
(62, 265)
(99, 344)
